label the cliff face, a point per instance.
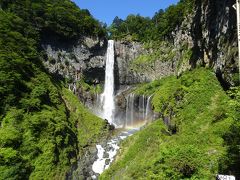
(207, 37)
(125, 53)
(87, 58)
(73, 60)
(210, 32)
(132, 72)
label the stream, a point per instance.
(136, 112)
(106, 152)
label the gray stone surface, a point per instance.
(74, 59)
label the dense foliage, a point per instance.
(43, 127)
(231, 163)
(57, 17)
(200, 137)
(159, 27)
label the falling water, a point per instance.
(107, 97)
(130, 114)
(148, 108)
(143, 107)
(138, 110)
(132, 108)
(127, 112)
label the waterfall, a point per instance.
(127, 112)
(148, 109)
(107, 98)
(132, 109)
(138, 107)
(143, 107)
(138, 110)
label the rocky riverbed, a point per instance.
(98, 158)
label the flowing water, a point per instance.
(149, 112)
(107, 152)
(107, 98)
(138, 111)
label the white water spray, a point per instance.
(148, 108)
(107, 152)
(143, 107)
(138, 110)
(107, 97)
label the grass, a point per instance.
(199, 111)
(90, 127)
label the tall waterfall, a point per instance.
(107, 98)
(138, 109)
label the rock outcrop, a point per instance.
(87, 58)
(130, 73)
(210, 32)
(206, 37)
(72, 60)
(125, 53)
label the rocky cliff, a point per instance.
(125, 54)
(206, 37)
(86, 58)
(210, 32)
(74, 60)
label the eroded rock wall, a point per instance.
(210, 32)
(207, 37)
(72, 60)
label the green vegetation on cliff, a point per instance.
(90, 127)
(199, 117)
(43, 127)
(162, 51)
(43, 143)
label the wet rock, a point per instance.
(84, 168)
(106, 155)
(107, 162)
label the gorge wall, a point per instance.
(210, 32)
(206, 37)
(86, 57)
(73, 60)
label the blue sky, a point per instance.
(106, 10)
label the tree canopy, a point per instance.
(40, 136)
(144, 29)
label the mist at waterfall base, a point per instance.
(137, 111)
